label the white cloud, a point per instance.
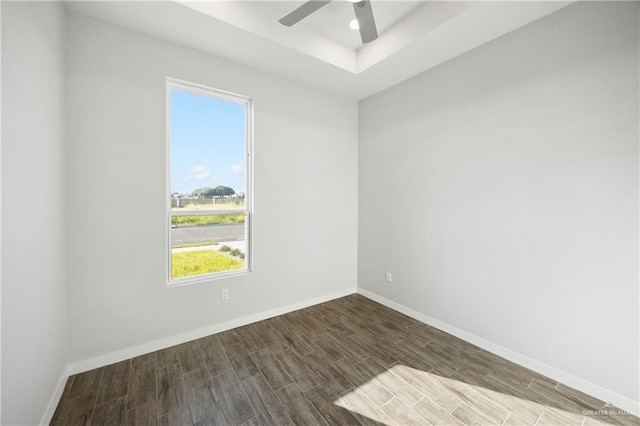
(236, 168)
(200, 172)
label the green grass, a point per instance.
(212, 243)
(190, 263)
(214, 219)
(231, 205)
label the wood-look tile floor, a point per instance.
(346, 362)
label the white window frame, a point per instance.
(198, 89)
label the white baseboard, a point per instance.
(568, 379)
(55, 398)
(145, 348)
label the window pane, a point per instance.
(208, 148)
(207, 244)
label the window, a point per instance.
(209, 136)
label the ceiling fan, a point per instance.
(362, 9)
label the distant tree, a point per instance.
(218, 191)
(221, 191)
(204, 192)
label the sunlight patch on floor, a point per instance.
(447, 400)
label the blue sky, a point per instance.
(207, 143)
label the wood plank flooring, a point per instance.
(350, 361)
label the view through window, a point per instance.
(209, 218)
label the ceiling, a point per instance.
(322, 50)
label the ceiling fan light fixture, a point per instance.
(364, 21)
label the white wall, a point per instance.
(305, 220)
(34, 331)
(501, 189)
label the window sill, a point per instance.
(180, 282)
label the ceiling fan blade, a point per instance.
(364, 14)
(302, 12)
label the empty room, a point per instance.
(320, 213)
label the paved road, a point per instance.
(199, 234)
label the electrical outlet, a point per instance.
(389, 278)
(224, 294)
